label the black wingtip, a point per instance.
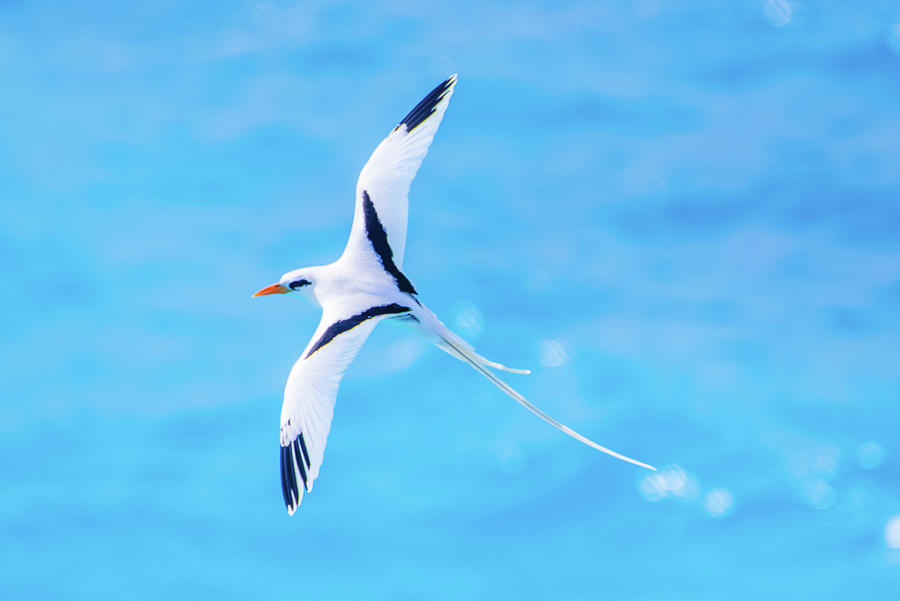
(296, 447)
(426, 107)
(303, 448)
(290, 488)
(295, 460)
(285, 480)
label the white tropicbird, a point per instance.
(364, 286)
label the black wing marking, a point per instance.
(288, 482)
(426, 107)
(339, 327)
(303, 448)
(284, 488)
(296, 453)
(291, 464)
(378, 237)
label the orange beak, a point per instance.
(273, 289)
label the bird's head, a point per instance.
(299, 280)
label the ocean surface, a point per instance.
(683, 216)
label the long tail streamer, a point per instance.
(479, 363)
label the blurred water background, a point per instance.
(683, 215)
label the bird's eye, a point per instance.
(298, 284)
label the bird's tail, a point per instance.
(457, 347)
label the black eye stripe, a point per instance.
(299, 284)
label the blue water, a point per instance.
(684, 216)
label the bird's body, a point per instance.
(364, 286)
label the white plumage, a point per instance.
(364, 286)
(390, 170)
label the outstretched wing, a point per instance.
(386, 177)
(311, 390)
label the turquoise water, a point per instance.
(682, 215)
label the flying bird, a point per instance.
(364, 286)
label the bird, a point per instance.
(364, 286)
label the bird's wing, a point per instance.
(311, 390)
(386, 177)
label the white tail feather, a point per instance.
(456, 346)
(495, 365)
(479, 363)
